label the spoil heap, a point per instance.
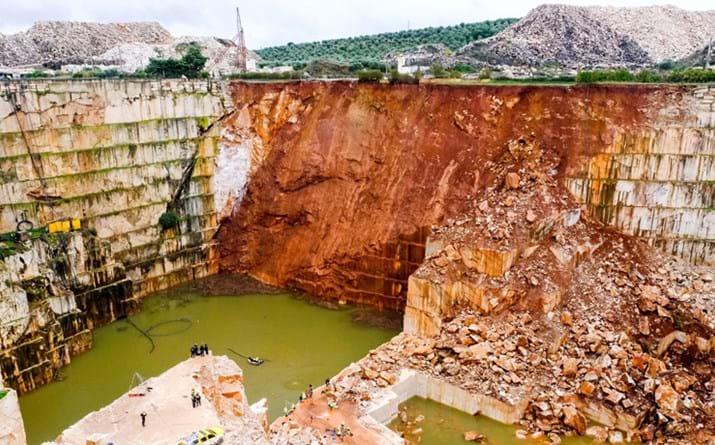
(538, 302)
(74, 42)
(525, 300)
(573, 36)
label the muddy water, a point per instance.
(445, 425)
(304, 344)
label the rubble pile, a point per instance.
(572, 36)
(74, 42)
(581, 323)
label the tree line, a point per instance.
(373, 48)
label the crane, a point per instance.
(242, 51)
(240, 41)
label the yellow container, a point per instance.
(65, 226)
(52, 227)
(76, 225)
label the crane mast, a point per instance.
(242, 51)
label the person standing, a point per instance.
(143, 416)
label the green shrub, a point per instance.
(168, 220)
(190, 65)
(396, 77)
(37, 74)
(464, 68)
(646, 76)
(369, 76)
(667, 65)
(691, 75)
(485, 73)
(288, 75)
(438, 71)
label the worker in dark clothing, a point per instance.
(198, 399)
(194, 351)
(143, 414)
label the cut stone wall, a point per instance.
(384, 405)
(115, 154)
(658, 183)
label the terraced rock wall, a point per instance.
(116, 155)
(341, 173)
(657, 182)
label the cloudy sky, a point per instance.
(275, 22)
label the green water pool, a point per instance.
(444, 425)
(303, 343)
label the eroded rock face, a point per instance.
(523, 296)
(348, 179)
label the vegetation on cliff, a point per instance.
(375, 47)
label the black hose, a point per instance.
(238, 353)
(187, 326)
(247, 357)
(144, 333)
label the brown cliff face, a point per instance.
(347, 179)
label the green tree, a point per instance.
(190, 65)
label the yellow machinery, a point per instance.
(64, 225)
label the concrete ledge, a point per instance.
(410, 383)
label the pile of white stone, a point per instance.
(74, 42)
(596, 37)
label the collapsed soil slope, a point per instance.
(524, 296)
(348, 178)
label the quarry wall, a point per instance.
(115, 155)
(347, 179)
(346, 183)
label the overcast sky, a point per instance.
(275, 22)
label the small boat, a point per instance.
(255, 361)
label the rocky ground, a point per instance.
(583, 322)
(169, 413)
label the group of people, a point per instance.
(195, 398)
(200, 350)
(339, 432)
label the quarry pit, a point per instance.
(551, 248)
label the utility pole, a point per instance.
(707, 54)
(242, 61)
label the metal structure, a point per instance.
(242, 61)
(242, 52)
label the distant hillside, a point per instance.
(375, 47)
